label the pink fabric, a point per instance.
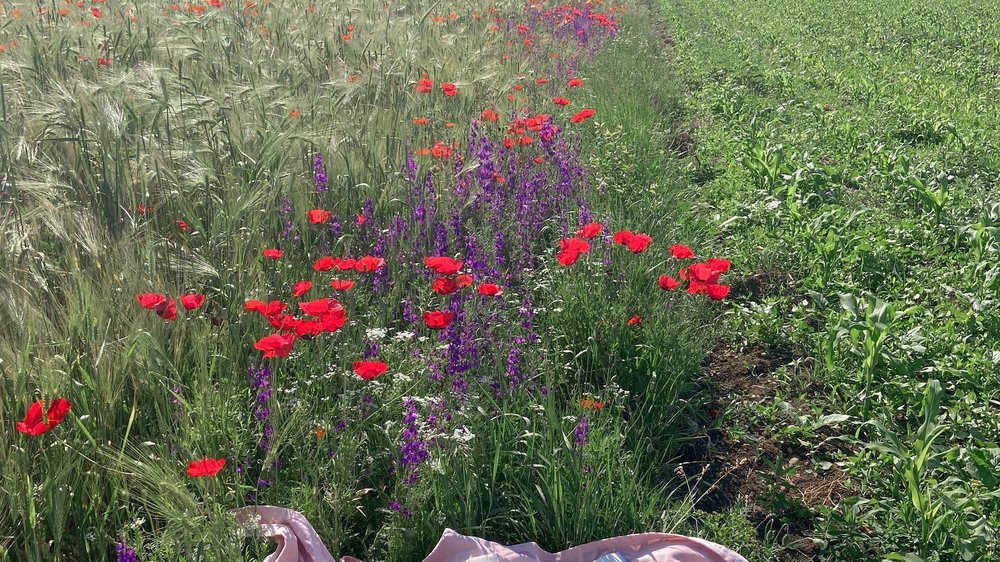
(296, 538)
(298, 542)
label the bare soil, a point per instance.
(730, 472)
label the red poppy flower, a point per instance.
(490, 115)
(144, 210)
(369, 370)
(591, 230)
(317, 307)
(697, 287)
(420, 121)
(541, 81)
(325, 263)
(96, 12)
(183, 225)
(443, 264)
(35, 424)
(463, 280)
(274, 254)
(574, 245)
(668, 283)
(369, 263)
(719, 265)
(717, 292)
(623, 237)
(341, 285)
(192, 302)
(308, 329)
(567, 257)
(150, 300)
(575, 82)
(561, 101)
(639, 243)
(444, 286)
(267, 309)
(425, 86)
(681, 252)
(490, 290)
(283, 322)
(346, 264)
(334, 320)
(275, 345)
(438, 319)
(167, 310)
(318, 216)
(441, 150)
(361, 219)
(449, 89)
(635, 320)
(205, 467)
(583, 115)
(301, 288)
(703, 273)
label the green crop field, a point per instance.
(533, 271)
(850, 154)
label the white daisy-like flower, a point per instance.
(376, 333)
(403, 336)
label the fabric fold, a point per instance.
(298, 542)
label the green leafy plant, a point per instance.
(945, 510)
(866, 329)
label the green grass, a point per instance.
(848, 151)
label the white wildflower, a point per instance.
(375, 333)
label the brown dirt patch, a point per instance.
(761, 285)
(682, 143)
(745, 373)
(731, 472)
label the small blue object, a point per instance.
(612, 557)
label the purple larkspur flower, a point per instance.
(286, 215)
(439, 234)
(260, 383)
(123, 553)
(581, 434)
(513, 372)
(414, 449)
(319, 173)
(335, 229)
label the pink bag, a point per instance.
(298, 542)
